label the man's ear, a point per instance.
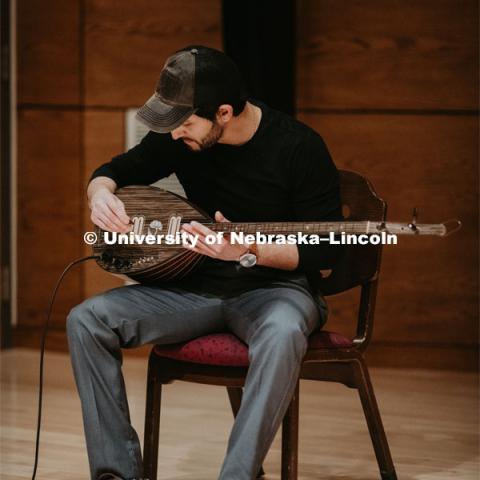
(224, 114)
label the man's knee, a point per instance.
(82, 319)
(292, 317)
(286, 329)
(280, 335)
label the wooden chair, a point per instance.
(330, 357)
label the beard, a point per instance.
(210, 139)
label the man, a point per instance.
(239, 160)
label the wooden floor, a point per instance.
(431, 420)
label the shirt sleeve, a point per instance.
(147, 162)
(316, 197)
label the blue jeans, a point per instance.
(274, 322)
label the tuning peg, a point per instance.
(413, 225)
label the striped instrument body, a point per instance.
(154, 211)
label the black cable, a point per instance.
(42, 354)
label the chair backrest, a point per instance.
(359, 264)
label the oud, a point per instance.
(155, 212)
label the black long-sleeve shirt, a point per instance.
(283, 173)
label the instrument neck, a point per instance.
(291, 227)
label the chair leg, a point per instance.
(374, 422)
(152, 422)
(290, 439)
(235, 397)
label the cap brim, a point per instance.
(161, 117)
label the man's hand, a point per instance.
(284, 257)
(108, 211)
(222, 250)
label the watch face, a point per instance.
(248, 260)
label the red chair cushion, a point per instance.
(328, 340)
(225, 349)
(214, 349)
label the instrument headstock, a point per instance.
(413, 228)
(443, 229)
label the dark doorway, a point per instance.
(260, 38)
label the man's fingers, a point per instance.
(116, 206)
(99, 223)
(220, 218)
(209, 249)
(200, 232)
(200, 229)
(102, 222)
(200, 247)
(111, 222)
(120, 211)
(104, 209)
(111, 227)
(122, 226)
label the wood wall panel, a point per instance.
(429, 286)
(48, 51)
(49, 213)
(128, 42)
(415, 54)
(103, 138)
(423, 356)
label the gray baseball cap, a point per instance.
(192, 78)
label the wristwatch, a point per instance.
(249, 258)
